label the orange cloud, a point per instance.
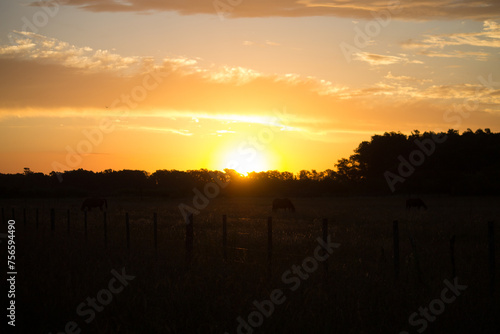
(377, 59)
(478, 55)
(488, 37)
(407, 10)
(47, 77)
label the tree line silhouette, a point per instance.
(429, 162)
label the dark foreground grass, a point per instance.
(58, 271)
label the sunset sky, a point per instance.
(244, 84)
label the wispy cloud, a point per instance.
(270, 43)
(227, 74)
(473, 92)
(407, 10)
(31, 46)
(93, 78)
(261, 44)
(434, 45)
(406, 78)
(158, 129)
(477, 55)
(46, 77)
(377, 59)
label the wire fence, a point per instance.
(69, 222)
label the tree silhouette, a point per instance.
(467, 163)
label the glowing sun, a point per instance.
(246, 160)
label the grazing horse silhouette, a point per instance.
(283, 203)
(90, 203)
(415, 202)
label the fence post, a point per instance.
(224, 237)
(68, 221)
(127, 226)
(269, 239)
(452, 255)
(155, 227)
(36, 218)
(105, 223)
(325, 238)
(52, 219)
(395, 231)
(491, 256)
(189, 238)
(85, 223)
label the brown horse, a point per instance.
(415, 202)
(283, 203)
(90, 203)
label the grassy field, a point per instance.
(58, 271)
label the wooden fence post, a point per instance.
(269, 239)
(68, 222)
(491, 256)
(127, 226)
(395, 231)
(85, 223)
(189, 238)
(155, 228)
(52, 219)
(325, 238)
(105, 223)
(224, 237)
(452, 255)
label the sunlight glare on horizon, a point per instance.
(244, 159)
